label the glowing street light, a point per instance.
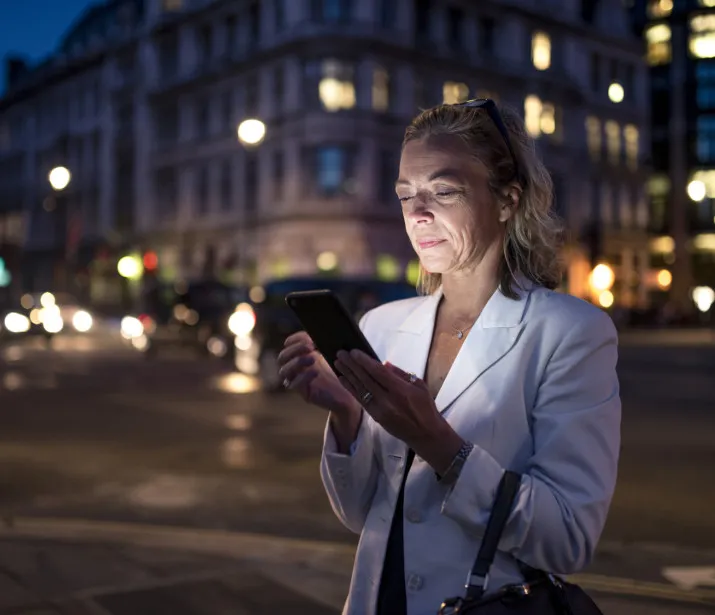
(251, 132)
(697, 190)
(130, 267)
(59, 178)
(703, 297)
(602, 277)
(616, 92)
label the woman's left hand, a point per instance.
(398, 401)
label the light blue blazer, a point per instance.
(534, 387)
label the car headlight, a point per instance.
(131, 327)
(51, 319)
(242, 321)
(82, 321)
(17, 323)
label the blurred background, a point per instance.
(170, 169)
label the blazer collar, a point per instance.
(493, 335)
(500, 311)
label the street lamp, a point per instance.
(251, 132)
(60, 178)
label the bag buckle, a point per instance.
(451, 606)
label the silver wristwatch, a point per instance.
(455, 468)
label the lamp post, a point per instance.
(60, 178)
(251, 133)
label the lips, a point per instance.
(424, 244)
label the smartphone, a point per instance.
(329, 324)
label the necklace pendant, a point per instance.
(460, 335)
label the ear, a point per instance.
(510, 202)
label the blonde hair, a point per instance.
(533, 236)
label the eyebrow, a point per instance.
(448, 173)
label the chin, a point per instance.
(434, 265)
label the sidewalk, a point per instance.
(54, 567)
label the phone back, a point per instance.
(328, 323)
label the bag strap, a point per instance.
(479, 575)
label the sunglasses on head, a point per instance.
(490, 107)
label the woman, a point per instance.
(490, 370)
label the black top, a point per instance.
(392, 596)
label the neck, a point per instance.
(466, 292)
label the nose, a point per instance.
(420, 212)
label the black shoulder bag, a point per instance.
(541, 593)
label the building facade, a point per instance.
(143, 100)
(680, 40)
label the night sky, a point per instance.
(35, 27)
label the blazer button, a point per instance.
(414, 516)
(415, 582)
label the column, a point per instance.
(682, 274)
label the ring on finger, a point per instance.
(413, 377)
(286, 383)
(366, 398)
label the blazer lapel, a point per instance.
(492, 336)
(411, 343)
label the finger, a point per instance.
(295, 366)
(409, 377)
(299, 337)
(294, 350)
(368, 367)
(357, 387)
(366, 380)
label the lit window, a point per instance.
(541, 50)
(547, 122)
(702, 36)
(593, 137)
(532, 115)
(613, 141)
(630, 135)
(453, 92)
(658, 40)
(707, 3)
(539, 116)
(380, 90)
(660, 8)
(336, 88)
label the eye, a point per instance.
(404, 199)
(447, 193)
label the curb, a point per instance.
(264, 550)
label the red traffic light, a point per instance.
(151, 261)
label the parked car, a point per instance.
(199, 315)
(257, 352)
(46, 314)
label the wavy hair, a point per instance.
(534, 235)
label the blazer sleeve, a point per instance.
(351, 480)
(566, 490)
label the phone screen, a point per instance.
(328, 323)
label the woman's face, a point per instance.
(450, 214)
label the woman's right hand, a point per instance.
(308, 374)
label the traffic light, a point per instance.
(151, 261)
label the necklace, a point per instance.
(461, 332)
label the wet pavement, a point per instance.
(93, 431)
